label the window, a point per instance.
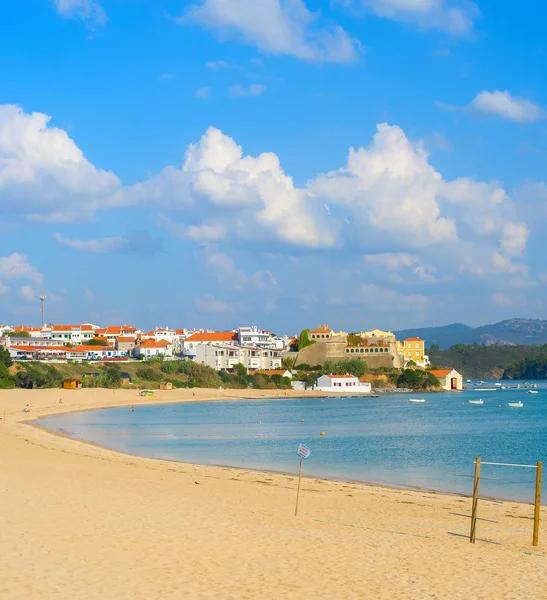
(417, 353)
(416, 345)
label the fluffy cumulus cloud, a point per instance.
(508, 107)
(455, 17)
(274, 27)
(43, 174)
(391, 187)
(251, 197)
(16, 266)
(86, 10)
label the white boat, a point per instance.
(518, 404)
(497, 384)
(468, 381)
(416, 400)
(532, 392)
(476, 401)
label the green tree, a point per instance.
(304, 340)
(97, 342)
(5, 357)
(21, 334)
(241, 370)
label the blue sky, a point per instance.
(213, 163)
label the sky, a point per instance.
(283, 163)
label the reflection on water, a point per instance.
(383, 440)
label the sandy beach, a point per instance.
(82, 522)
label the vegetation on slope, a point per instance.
(477, 361)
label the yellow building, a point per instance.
(414, 349)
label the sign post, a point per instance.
(303, 452)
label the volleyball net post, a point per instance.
(537, 496)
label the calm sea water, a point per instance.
(382, 440)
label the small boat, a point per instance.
(532, 392)
(468, 381)
(476, 401)
(518, 404)
(416, 400)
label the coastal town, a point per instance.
(256, 350)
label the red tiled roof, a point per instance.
(91, 349)
(341, 376)
(40, 348)
(153, 344)
(125, 339)
(440, 372)
(217, 336)
(414, 339)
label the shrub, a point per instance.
(148, 374)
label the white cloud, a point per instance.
(26, 292)
(226, 273)
(274, 27)
(217, 65)
(85, 10)
(16, 266)
(251, 197)
(207, 232)
(253, 90)
(392, 261)
(502, 104)
(43, 172)
(203, 93)
(392, 188)
(210, 304)
(137, 242)
(100, 246)
(455, 17)
(514, 238)
(501, 299)
(387, 299)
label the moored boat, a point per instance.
(518, 404)
(532, 392)
(416, 400)
(476, 401)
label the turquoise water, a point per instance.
(383, 440)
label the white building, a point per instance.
(252, 336)
(342, 384)
(151, 349)
(191, 343)
(73, 334)
(224, 357)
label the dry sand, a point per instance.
(81, 522)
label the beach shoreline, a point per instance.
(81, 516)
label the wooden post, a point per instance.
(298, 491)
(537, 504)
(475, 500)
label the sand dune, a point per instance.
(82, 522)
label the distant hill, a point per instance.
(513, 331)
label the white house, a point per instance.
(151, 349)
(342, 384)
(252, 336)
(223, 357)
(73, 334)
(450, 379)
(191, 343)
